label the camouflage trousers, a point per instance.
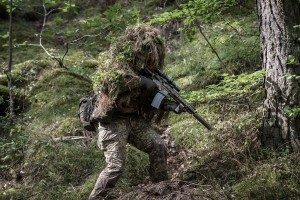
(112, 139)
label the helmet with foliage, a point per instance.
(140, 46)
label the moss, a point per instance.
(25, 72)
(68, 126)
(3, 90)
(82, 191)
(69, 171)
(136, 170)
(3, 79)
(60, 79)
(28, 71)
(90, 63)
(55, 97)
(83, 65)
(260, 185)
(77, 56)
(13, 193)
(55, 170)
(277, 179)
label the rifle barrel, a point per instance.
(189, 107)
(200, 119)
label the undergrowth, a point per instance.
(230, 158)
(193, 64)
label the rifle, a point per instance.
(168, 87)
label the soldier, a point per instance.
(123, 107)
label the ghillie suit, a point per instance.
(125, 99)
(139, 47)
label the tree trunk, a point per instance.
(280, 45)
(9, 76)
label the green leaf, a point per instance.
(292, 112)
(5, 36)
(291, 59)
(296, 26)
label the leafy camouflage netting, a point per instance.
(139, 47)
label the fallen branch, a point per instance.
(69, 138)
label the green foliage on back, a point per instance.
(107, 77)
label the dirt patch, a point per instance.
(164, 190)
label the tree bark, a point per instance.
(279, 41)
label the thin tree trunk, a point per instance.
(9, 76)
(279, 41)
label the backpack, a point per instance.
(86, 108)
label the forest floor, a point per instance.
(181, 184)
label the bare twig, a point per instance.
(79, 39)
(58, 59)
(67, 49)
(69, 138)
(64, 138)
(198, 24)
(89, 36)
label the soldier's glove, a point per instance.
(148, 84)
(174, 107)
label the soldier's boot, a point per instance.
(158, 162)
(104, 183)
